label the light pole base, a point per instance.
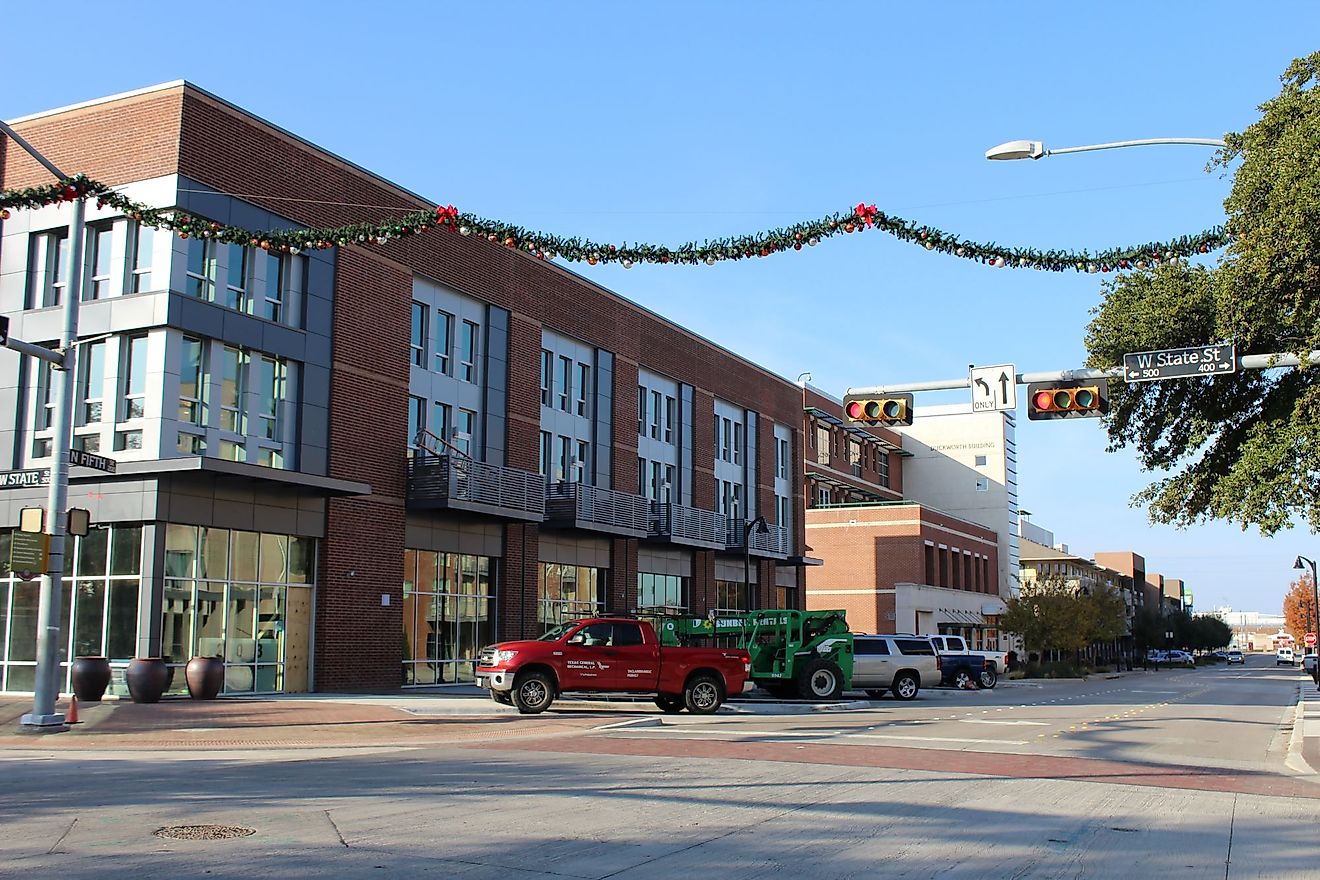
(52, 723)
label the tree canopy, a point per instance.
(1299, 608)
(1054, 616)
(1246, 447)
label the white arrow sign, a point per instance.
(994, 389)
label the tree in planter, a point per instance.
(1243, 447)
(1052, 615)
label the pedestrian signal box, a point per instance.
(1065, 400)
(889, 409)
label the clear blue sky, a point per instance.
(674, 121)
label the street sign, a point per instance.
(1219, 359)
(87, 459)
(994, 389)
(29, 554)
(33, 478)
(1310, 640)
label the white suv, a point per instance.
(1285, 655)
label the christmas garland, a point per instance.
(545, 246)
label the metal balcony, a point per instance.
(452, 482)
(688, 526)
(578, 506)
(776, 542)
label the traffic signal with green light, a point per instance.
(1068, 400)
(890, 409)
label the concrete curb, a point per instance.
(1295, 761)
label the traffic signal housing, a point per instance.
(1088, 398)
(869, 409)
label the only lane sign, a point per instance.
(1219, 359)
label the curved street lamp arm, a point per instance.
(1202, 142)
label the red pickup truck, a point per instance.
(611, 654)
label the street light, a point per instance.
(46, 690)
(1315, 604)
(1036, 149)
(760, 526)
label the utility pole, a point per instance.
(43, 716)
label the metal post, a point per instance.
(1315, 605)
(43, 715)
(747, 564)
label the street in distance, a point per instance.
(1219, 359)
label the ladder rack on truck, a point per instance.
(807, 654)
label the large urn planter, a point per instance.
(91, 676)
(147, 679)
(205, 675)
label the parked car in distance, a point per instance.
(1285, 655)
(1154, 656)
(895, 664)
(1236, 656)
(1308, 663)
(1179, 658)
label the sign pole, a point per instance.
(43, 715)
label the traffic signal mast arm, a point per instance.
(1245, 362)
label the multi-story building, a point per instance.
(893, 564)
(348, 468)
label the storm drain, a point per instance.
(203, 832)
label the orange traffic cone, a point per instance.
(72, 717)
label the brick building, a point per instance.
(349, 468)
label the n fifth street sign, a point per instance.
(1175, 363)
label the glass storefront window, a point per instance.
(667, 591)
(448, 615)
(566, 592)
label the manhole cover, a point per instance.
(203, 832)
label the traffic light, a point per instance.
(891, 409)
(1068, 400)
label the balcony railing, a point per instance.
(453, 482)
(602, 510)
(775, 542)
(688, 525)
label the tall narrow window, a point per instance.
(135, 377)
(466, 429)
(202, 267)
(543, 459)
(781, 458)
(669, 419)
(583, 388)
(440, 424)
(657, 480)
(274, 382)
(233, 389)
(668, 492)
(641, 412)
(547, 377)
(238, 281)
(48, 263)
(737, 442)
(565, 382)
(781, 510)
(416, 422)
(657, 413)
(566, 459)
(192, 382)
(277, 267)
(144, 242)
(91, 364)
(641, 477)
(418, 338)
(727, 451)
(467, 353)
(97, 262)
(444, 341)
(45, 396)
(581, 456)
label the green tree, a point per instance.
(1051, 615)
(1243, 447)
(1148, 629)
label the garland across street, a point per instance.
(546, 246)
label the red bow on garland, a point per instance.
(866, 213)
(447, 214)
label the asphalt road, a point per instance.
(1171, 775)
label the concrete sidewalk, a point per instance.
(1304, 749)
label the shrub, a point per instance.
(1054, 669)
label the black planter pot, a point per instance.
(91, 676)
(147, 679)
(206, 675)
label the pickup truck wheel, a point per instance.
(987, 679)
(502, 697)
(533, 693)
(669, 704)
(820, 680)
(905, 687)
(962, 679)
(703, 695)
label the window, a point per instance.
(668, 591)
(231, 451)
(238, 281)
(444, 332)
(87, 442)
(233, 388)
(565, 459)
(726, 451)
(192, 444)
(566, 592)
(97, 261)
(201, 268)
(48, 263)
(980, 461)
(547, 377)
(730, 596)
(669, 419)
(657, 413)
(781, 510)
(144, 241)
(467, 353)
(882, 462)
(854, 452)
(983, 484)
(822, 496)
(657, 481)
(91, 364)
(864, 646)
(193, 382)
(668, 487)
(583, 388)
(781, 458)
(418, 338)
(565, 382)
(467, 427)
(135, 377)
(543, 460)
(822, 445)
(274, 382)
(914, 647)
(641, 477)
(276, 283)
(737, 442)
(416, 421)
(641, 416)
(440, 424)
(581, 468)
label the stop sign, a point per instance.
(1310, 640)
